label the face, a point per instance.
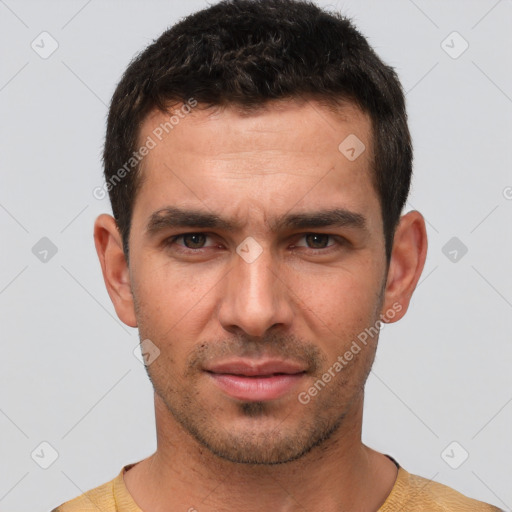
(282, 259)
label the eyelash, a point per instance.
(171, 241)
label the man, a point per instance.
(243, 137)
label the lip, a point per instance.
(256, 388)
(253, 368)
(256, 381)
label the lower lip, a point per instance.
(256, 388)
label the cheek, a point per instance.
(337, 308)
(171, 297)
(339, 295)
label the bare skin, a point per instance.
(303, 299)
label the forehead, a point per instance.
(285, 154)
(320, 123)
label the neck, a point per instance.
(339, 474)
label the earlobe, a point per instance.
(406, 265)
(109, 247)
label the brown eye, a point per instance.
(191, 242)
(195, 240)
(318, 241)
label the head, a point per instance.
(272, 131)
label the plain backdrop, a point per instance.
(441, 387)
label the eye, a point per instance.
(191, 241)
(195, 242)
(319, 240)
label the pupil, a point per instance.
(194, 236)
(318, 236)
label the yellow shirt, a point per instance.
(410, 493)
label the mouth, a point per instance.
(257, 387)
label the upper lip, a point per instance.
(253, 368)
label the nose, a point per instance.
(255, 296)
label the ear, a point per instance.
(109, 246)
(406, 265)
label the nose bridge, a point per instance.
(255, 298)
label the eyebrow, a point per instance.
(173, 217)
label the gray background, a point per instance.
(69, 374)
